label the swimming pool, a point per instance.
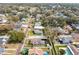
(68, 52)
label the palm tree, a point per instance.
(51, 37)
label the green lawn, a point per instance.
(61, 45)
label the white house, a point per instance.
(38, 27)
(37, 37)
(3, 39)
(38, 31)
(3, 18)
(65, 39)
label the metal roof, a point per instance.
(37, 37)
(3, 39)
(39, 27)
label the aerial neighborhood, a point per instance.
(39, 29)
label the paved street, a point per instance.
(25, 39)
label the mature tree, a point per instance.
(25, 51)
(51, 38)
(62, 52)
(61, 22)
(30, 43)
(8, 10)
(20, 36)
(13, 18)
(16, 36)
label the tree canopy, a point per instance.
(24, 51)
(16, 36)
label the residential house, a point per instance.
(24, 27)
(72, 49)
(38, 28)
(3, 41)
(37, 39)
(65, 39)
(36, 51)
(38, 24)
(17, 25)
(75, 37)
(76, 26)
(23, 19)
(68, 27)
(61, 31)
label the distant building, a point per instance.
(39, 27)
(3, 19)
(36, 51)
(38, 31)
(21, 8)
(60, 15)
(38, 24)
(76, 26)
(23, 19)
